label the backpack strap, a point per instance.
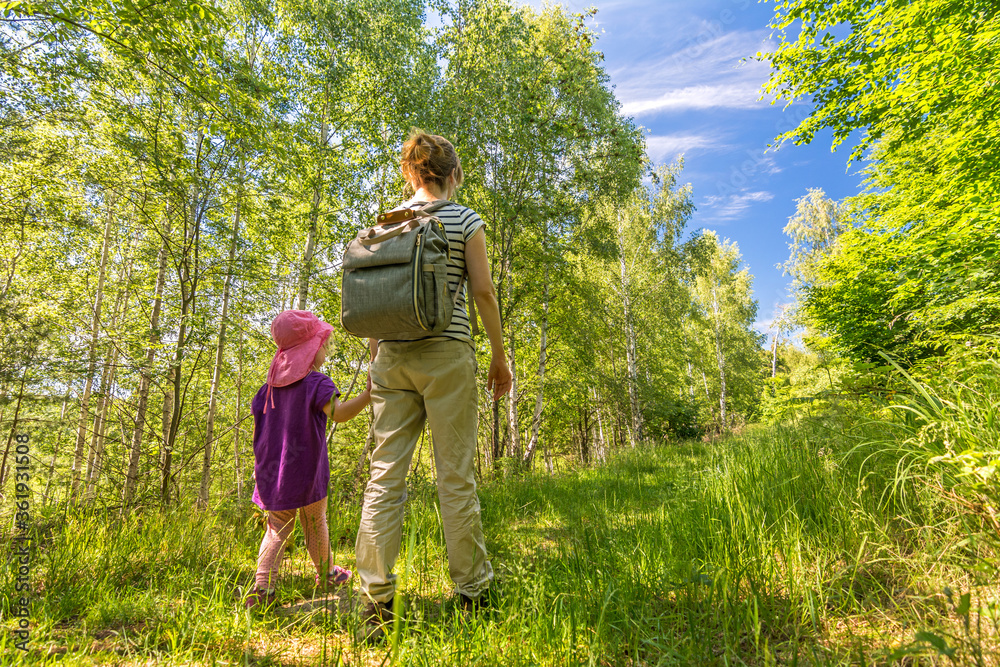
(405, 214)
(426, 211)
(470, 303)
(433, 206)
(392, 217)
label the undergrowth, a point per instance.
(827, 541)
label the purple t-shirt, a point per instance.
(291, 463)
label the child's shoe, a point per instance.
(338, 576)
(260, 599)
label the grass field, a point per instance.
(783, 545)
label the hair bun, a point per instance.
(429, 159)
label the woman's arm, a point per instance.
(498, 380)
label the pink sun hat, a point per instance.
(298, 335)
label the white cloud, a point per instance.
(730, 207)
(666, 147)
(769, 166)
(706, 71)
(739, 95)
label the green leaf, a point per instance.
(939, 644)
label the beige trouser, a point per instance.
(410, 381)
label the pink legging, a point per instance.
(280, 524)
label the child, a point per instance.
(291, 465)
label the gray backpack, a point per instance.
(395, 284)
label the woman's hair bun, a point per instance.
(429, 159)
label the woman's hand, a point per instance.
(498, 380)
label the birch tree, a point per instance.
(547, 142)
(644, 279)
(723, 291)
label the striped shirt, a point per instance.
(460, 224)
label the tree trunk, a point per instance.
(96, 454)
(166, 416)
(145, 371)
(779, 327)
(176, 402)
(630, 357)
(595, 445)
(616, 431)
(188, 282)
(55, 451)
(774, 360)
(602, 451)
(717, 318)
(513, 428)
(238, 473)
(774, 350)
(13, 430)
(100, 426)
(96, 437)
(206, 469)
(687, 352)
(536, 419)
(307, 257)
(774, 357)
(81, 433)
(317, 199)
(497, 446)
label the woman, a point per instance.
(432, 378)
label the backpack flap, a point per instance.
(378, 246)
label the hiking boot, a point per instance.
(486, 601)
(374, 620)
(260, 600)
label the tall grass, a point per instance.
(948, 419)
(797, 544)
(945, 422)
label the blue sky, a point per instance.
(676, 68)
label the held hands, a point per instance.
(498, 380)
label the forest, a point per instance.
(664, 484)
(141, 279)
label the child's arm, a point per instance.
(349, 409)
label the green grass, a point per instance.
(785, 545)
